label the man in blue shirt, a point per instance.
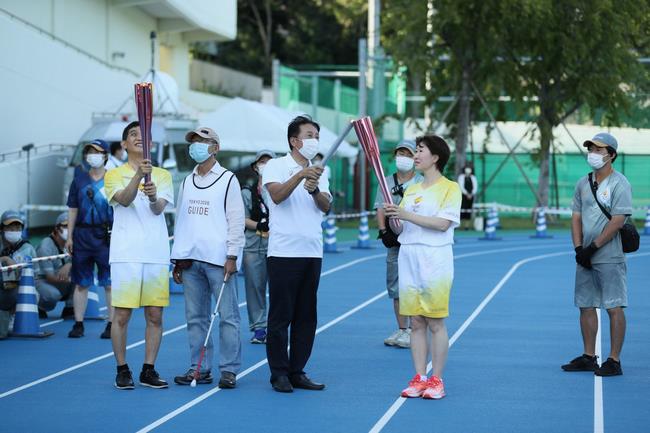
(90, 219)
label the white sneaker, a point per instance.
(392, 340)
(404, 338)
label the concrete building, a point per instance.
(63, 60)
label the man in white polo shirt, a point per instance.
(208, 246)
(299, 195)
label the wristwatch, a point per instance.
(315, 191)
(231, 258)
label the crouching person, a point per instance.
(208, 244)
(54, 284)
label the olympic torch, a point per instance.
(368, 140)
(144, 104)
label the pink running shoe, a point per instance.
(416, 387)
(435, 389)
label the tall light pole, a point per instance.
(363, 101)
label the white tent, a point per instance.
(249, 126)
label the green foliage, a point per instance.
(573, 52)
(296, 32)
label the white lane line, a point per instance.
(401, 400)
(53, 322)
(78, 366)
(599, 414)
(141, 342)
(478, 253)
(252, 368)
(215, 390)
(599, 421)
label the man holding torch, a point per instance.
(139, 253)
(299, 195)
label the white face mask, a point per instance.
(309, 148)
(95, 160)
(468, 171)
(595, 160)
(64, 234)
(13, 237)
(404, 163)
(260, 169)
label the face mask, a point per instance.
(95, 160)
(468, 171)
(64, 234)
(309, 148)
(260, 169)
(404, 163)
(595, 160)
(13, 237)
(199, 152)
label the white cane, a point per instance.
(197, 372)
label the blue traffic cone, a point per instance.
(491, 226)
(646, 226)
(363, 240)
(26, 320)
(174, 287)
(540, 226)
(93, 311)
(329, 243)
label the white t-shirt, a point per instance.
(139, 236)
(442, 200)
(295, 224)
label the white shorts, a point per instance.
(425, 277)
(139, 285)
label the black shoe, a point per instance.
(303, 382)
(186, 379)
(282, 384)
(152, 379)
(106, 335)
(228, 380)
(609, 368)
(77, 330)
(67, 313)
(124, 380)
(583, 362)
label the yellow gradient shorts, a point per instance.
(139, 285)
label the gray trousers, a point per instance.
(255, 279)
(49, 294)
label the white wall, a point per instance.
(53, 89)
(93, 26)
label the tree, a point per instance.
(456, 47)
(294, 32)
(570, 53)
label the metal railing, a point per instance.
(36, 150)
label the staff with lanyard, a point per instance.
(257, 241)
(90, 219)
(404, 177)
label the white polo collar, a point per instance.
(216, 169)
(292, 163)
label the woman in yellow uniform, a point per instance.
(429, 212)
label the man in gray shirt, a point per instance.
(601, 270)
(404, 177)
(54, 283)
